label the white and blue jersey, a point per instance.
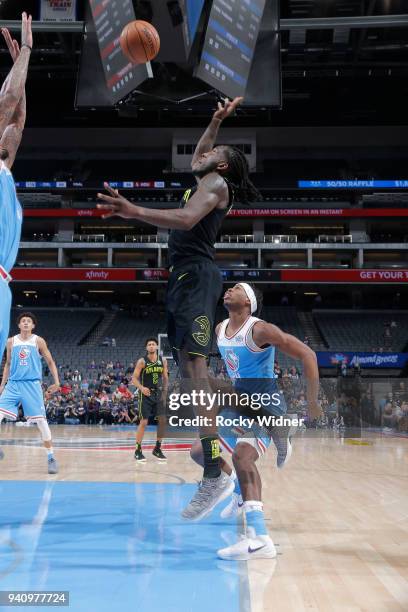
(251, 369)
(24, 383)
(25, 359)
(11, 218)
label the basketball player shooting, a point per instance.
(195, 282)
(12, 121)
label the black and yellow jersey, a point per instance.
(152, 373)
(199, 240)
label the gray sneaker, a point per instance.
(283, 442)
(210, 492)
(52, 466)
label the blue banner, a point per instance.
(327, 359)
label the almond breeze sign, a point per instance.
(327, 359)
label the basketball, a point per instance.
(140, 42)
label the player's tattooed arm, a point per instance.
(6, 370)
(12, 135)
(13, 89)
(266, 333)
(208, 139)
(45, 352)
(212, 192)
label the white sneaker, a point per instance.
(234, 508)
(260, 547)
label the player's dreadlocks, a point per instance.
(238, 175)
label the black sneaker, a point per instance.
(157, 452)
(139, 456)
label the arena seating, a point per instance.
(362, 330)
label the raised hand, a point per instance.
(26, 31)
(227, 108)
(12, 44)
(116, 205)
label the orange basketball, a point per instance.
(140, 41)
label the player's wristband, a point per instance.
(28, 46)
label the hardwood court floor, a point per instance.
(338, 514)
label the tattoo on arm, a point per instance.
(207, 140)
(13, 91)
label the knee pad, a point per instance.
(44, 429)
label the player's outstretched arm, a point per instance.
(11, 138)
(211, 191)
(266, 333)
(6, 371)
(208, 139)
(44, 351)
(14, 86)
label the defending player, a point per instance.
(247, 345)
(21, 382)
(12, 121)
(151, 377)
(195, 282)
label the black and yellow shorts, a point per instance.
(193, 291)
(151, 406)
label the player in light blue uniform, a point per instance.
(21, 381)
(12, 121)
(247, 345)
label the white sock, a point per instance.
(50, 452)
(253, 506)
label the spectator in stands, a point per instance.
(402, 424)
(388, 417)
(81, 412)
(76, 377)
(71, 416)
(66, 388)
(294, 372)
(356, 367)
(85, 385)
(92, 365)
(105, 413)
(130, 368)
(93, 410)
(277, 370)
(124, 414)
(109, 365)
(113, 342)
(59, 411)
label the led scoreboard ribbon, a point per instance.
(229, 45)
(396, 184)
